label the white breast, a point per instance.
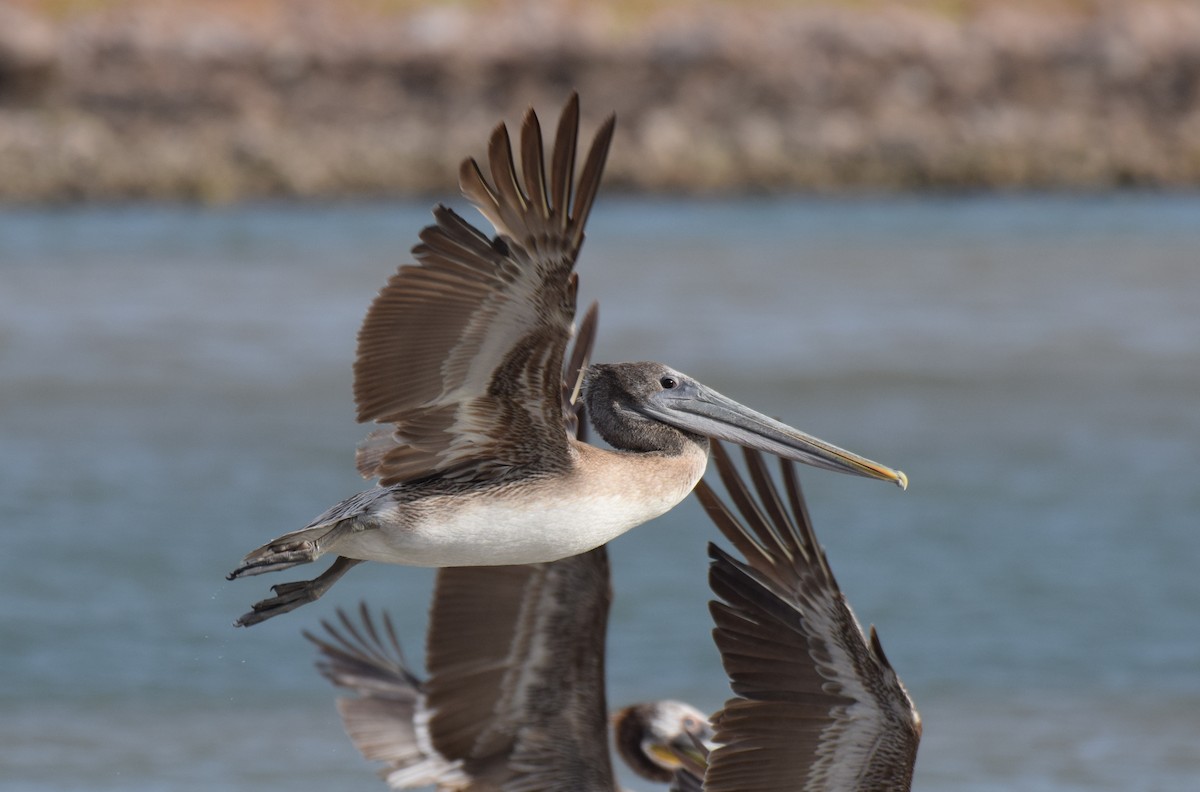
(608, 494)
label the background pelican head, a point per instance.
(651, 737)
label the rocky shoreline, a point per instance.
(222, 100)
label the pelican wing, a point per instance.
(462, 352)
(515, 700)
(516, 662)
(387, 720)
(817, 706)
(581, 354)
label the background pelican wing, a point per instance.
(388, 719)
(817, 706)
(515, 698)
(516, 662)
(462, 352)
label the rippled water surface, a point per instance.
(175, 390)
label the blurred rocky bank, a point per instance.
(216, 100)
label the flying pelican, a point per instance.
(460, 358)
(516, 654)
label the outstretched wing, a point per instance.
(817, 705)
(515, 696)
(388, 720)
(516, 662)
(462, 352)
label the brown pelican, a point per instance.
(460, 358)
(516, 696)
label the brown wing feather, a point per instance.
(581, 354)
(516, 662)
(386, 719)
(817, 706)
(462, 353)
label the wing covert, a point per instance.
(462, 352)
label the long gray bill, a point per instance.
(697, 408)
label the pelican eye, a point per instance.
(668, 382)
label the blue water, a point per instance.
(175, 390)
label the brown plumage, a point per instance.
(515, 698)
(462, 352)
(516, 694)
(816, 706)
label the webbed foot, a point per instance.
(298, 547)
(289, 596)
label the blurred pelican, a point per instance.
(515, 697)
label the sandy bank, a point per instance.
(217, 100)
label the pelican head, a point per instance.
(650, 737)
(644, 407)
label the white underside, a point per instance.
(496, 531)
(606, 495)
